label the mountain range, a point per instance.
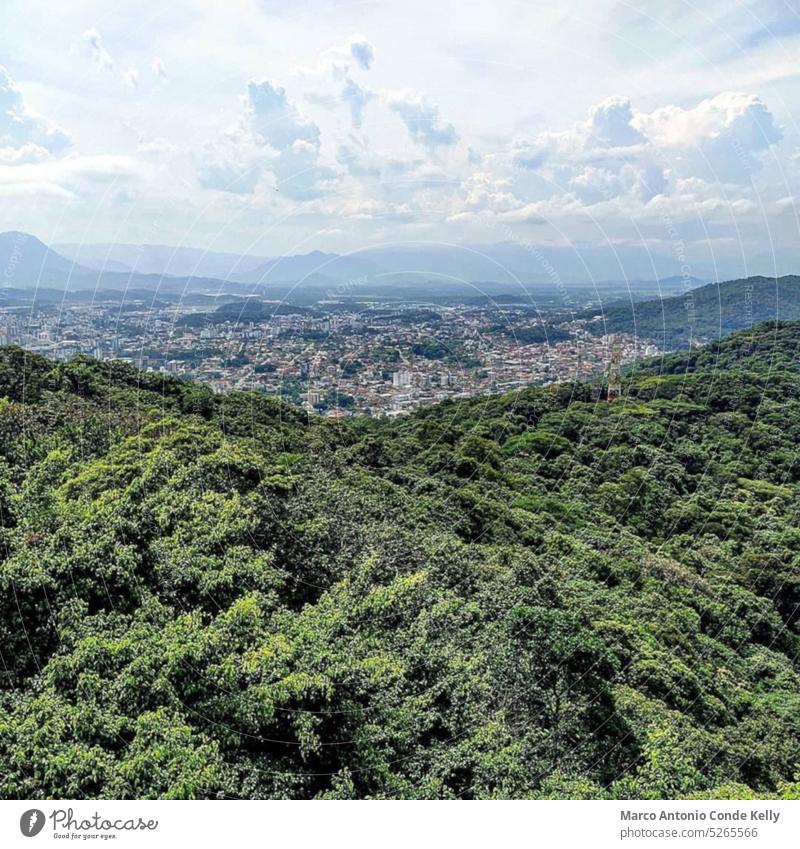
(510, 264)
(431, 268)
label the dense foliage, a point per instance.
(535, 595)
(706, 313)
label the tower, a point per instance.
(614, 376)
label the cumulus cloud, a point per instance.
(356, 98)
(628, 158)
(389, 188)
(232, 164)
(274, 120)
(95, 49)
(335, 83)
(610, 124)
(421, 119)
(299, 173)
(721, 138)
(272, 137)
(32, 163)
(528, 155)
(65, 178)
(338, 62)
(485, 192)
(148, 145)
(25, 155)
(641, 180)
(21, 127)
(362, 51)
(731, 113)
(360, 161)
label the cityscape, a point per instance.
(339, 358)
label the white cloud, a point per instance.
(156, 146)
(485, 192)
(722, 137)
(338, 62)
(274, 120)
(21, 126)
(610, 124)
(356, 98)
(335, 83)
(624, 157)
(131, 77)
(272, 137)
(421, 119)
(231, 164)
(359, 161)
(95, 49)
(24, 155)
(362, 51)
(334, 138)
(67, 178)
(528, 155)
(298, 172)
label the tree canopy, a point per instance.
(534, 595)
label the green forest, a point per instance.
(705, 313)
(536, 595)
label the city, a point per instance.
(339, 358)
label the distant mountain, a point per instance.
(30, 272)
(162, 259)
(703, 314)
(26, 262)
(554, 277)
(517, 265)
(315, 268)
(512, 265)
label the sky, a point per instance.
(271, 127)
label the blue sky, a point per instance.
(269, 127)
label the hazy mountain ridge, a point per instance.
(512, 265)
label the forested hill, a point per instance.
(706, 313)
(771, 349)
(535, 595)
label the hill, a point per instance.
(769, 348)
(535, 595)
(34, 273)
(242, 310)
(28, 262)
(406, 270)
(705, 313)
